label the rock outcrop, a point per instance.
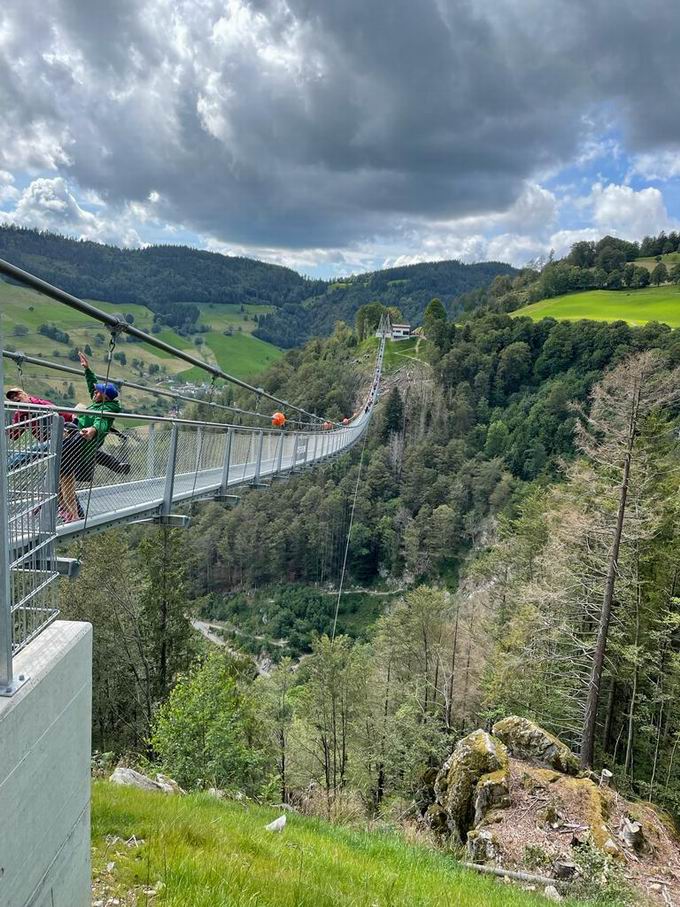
(472, 780)
(128, 777)
(526, 740)
(517, 802)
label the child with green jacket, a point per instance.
(80, 447)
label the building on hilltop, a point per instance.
(396, 332)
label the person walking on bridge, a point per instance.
(80, 447)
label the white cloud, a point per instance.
(628, 213)
(8, 191)
(661, 165)
(48, 204)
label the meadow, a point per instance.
(195, 851)
(633, 306)
(23, 311)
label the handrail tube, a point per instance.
(116, 324)
(19, 358)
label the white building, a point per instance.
(397, 332)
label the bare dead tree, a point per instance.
(608, 435)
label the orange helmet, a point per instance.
(327, 425)
(278, 420)
(345, 421)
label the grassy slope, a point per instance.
(669, 259)
(397, 352)
(211, 854)
(240, 354)
(634, 306)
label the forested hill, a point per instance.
(165, 277)
(158, 276)
(408, 288)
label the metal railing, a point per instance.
(57, 484)
(31, 448)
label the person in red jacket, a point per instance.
(24, 420)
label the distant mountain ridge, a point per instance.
(162, 277)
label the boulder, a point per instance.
(526, 740)
(482, 847)
(130, 778)
(472, 780)
(168, 785)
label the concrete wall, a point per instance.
(45, 773)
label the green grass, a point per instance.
(241, 354)
(397, 352)
(634, 306)
(669, 259)
(211, 854)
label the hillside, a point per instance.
(409, 289)
(636, 307)
(222, 335)
(196, 852)
(178, 283)
(159, 277)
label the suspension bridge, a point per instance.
(151, 465)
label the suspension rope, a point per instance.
(116, 323)
(20, 358)
(201, 439)
(349, 533)
(112, 347)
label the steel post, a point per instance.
(56, 440)
(170, 473)
(258, 461)
(225, 466)
(151, 452)
(279, 457)
(6, 676)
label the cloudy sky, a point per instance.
(337, 136)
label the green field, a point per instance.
(397, 352)
(669, 259)
(194, 851)
(634, 306)
(240, 354)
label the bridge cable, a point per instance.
(118, 324)
(20, 358)
(201, 439)
(349, 533)
(112, 347)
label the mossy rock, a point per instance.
(472, 780)
(526, 740)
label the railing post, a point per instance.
(166, 509)
(199, 448)
(258, 461)
(151, 452)
(293, 462)
(225, 466)
(279, 457)
(6, 676)
(56, 440)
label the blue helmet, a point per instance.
(109, 390)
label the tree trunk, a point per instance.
(592, 702)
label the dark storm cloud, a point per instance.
(318, 122)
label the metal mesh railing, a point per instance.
(145, 468)
(32, 450)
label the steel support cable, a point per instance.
(112, 346)
(201, 439)
(47, 289)
(349, 534)
(21, 358)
